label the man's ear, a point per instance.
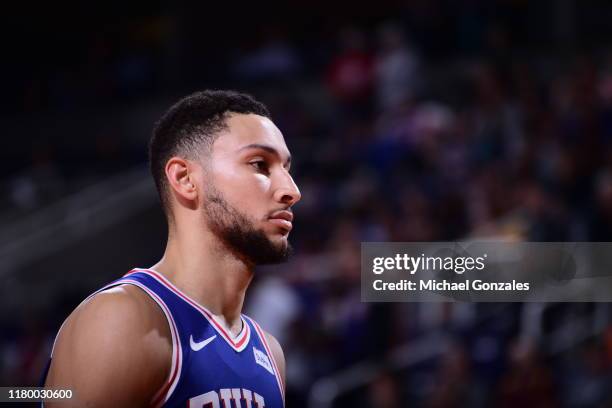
(182, 180)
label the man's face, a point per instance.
(249, 191)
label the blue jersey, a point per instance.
(210, 367)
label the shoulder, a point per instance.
(114, 349)
(277, 353)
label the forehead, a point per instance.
(243, 130)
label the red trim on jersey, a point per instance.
(163, 394)
(238, 344)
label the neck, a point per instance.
(205, 270)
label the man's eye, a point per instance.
(260, 165)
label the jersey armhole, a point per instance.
(166, 390)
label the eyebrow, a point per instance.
(268, 149)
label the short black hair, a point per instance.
(192, 123)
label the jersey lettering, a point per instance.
(208, 400)
(241, 398)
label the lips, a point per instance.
(283, 219)
(283, 215)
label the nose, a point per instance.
(288, 192)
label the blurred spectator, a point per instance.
(451, 386)
(588, 379)
(384, 392)
(396, 69)
(350, 73)
(528, 382)
(39, 184)
(274, 59)
(274, 306)
(601, 216)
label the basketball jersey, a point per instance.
(210, 367)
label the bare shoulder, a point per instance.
(113, 350)
(277, 353)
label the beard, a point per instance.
(238, 232)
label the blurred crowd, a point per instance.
(395, 142)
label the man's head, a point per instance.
(217, 156)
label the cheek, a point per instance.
(242, 187)
(262, 182)
(253, 190)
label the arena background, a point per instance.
(408, 121)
